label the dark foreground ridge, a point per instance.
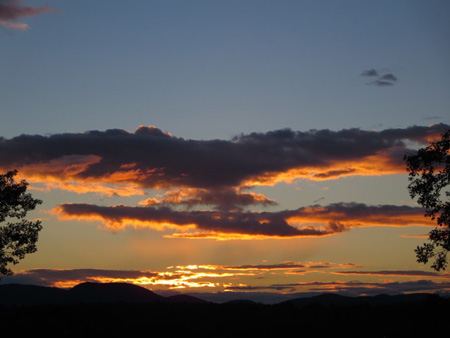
(126, 310)
(86, 293)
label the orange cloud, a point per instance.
(406, 273)
(287, 265)
(62, 173)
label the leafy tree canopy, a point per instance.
(18, 236)
(429, 179)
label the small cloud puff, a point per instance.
(384, 80)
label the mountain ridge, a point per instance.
(108, 293)
(85, 293)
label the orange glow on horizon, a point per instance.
(406, 274)
(222, 236)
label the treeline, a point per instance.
(424, 318)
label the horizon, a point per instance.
(225, 148)
(263, 298)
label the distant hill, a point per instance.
(18, 294)
(107, 293)
(185, 299)
(331, 299)
(112, 293)
(85, 293)
(127, 310)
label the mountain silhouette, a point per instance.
(19, 294)
(107, 293)
(185, 299)
(331, 299)
(112, 293)
(86, 293)
(127, 310)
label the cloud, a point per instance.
(351, 288)
(173, 277)
(384, 80)
(400, 273)
(219, 278)
(209, 172)
(382, 83)
(71, 277)
(306, 221)
(389, 77)
(432, 118)
(11, 10)
(221, 198)
(210, 223)
(370, 72)
(169, 279)
(287, 265)
(415, 236)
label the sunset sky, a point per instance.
(224, 147)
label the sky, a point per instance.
(225, 149)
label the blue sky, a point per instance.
(205, 70)
(214, 69)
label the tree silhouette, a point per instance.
(429, 176)
(18, 236)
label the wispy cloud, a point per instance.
(428, 118)
(399, 273)
(11, 10)
(285, 266)
(351, 288)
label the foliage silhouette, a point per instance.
(429, 176)
(18, 236)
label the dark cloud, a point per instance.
(384, 80)
(211, 173)
(11, 10)
(305, 221)
(389, 77)
(370, 72)
(52, 277)
(220, 198)
(150, 158)
(244, 223)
